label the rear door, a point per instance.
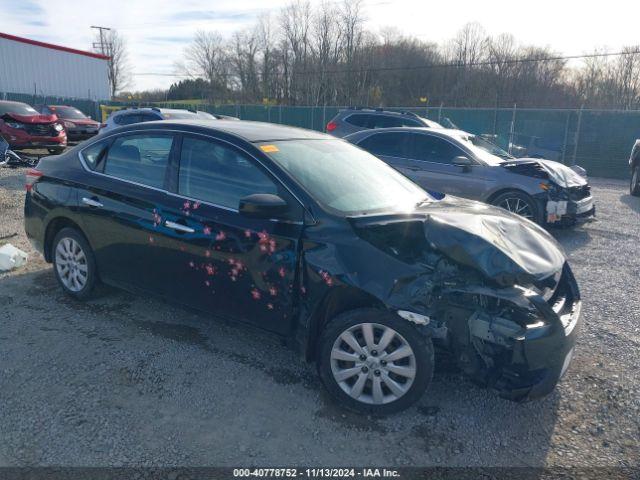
(120, 202)
(221, 261)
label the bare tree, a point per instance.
(207, 58)
(114, 46)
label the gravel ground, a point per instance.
(125, 380)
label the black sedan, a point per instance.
(316, 240)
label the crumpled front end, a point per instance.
(492, 289)
(565, 198)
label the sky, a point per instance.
(157, 32)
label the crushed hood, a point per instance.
(557, 172)
(31, 118)
(502, 246)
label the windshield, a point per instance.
(343, 178)
(68, 113)
(17, 108)
(483, 149)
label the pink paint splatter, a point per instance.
(273, 291)
(206, 230)
(270, 306)
(196, 205)
(326, 277)
(210, 269)
(151, 239)
(255, 294)
(282, 272)
(186, 205)
(207, 253)
(220, 236)
(247, 233)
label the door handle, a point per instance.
(91, 202)
(178, 227)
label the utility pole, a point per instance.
(103, 43)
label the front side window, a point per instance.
(390, 144)
(140, 158)
(344, 178)
(434, 149)
(219, 174)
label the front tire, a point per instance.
(519, 203)
(56, 151)
(74, 264)
(373, 362)
(634, 185)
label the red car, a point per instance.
(23, 127)
(77, 125)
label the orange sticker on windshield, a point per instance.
(269, 148)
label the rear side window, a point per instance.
(219, 174)
(392, 144)
(383, 121)
(95, 154)
(127, 118)
(358, 119)
(140, 158)
(434, 149)
(149, 117)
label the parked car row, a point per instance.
(297, 232)
(52, 126)
(455, 162)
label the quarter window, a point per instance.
(218, 174)
(95, 155)
(140, 158)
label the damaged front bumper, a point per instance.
(524, 362)
(568, 206)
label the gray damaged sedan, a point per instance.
(462, 164)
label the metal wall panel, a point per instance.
(33, 69)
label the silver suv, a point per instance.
(354, 120)
(128, 116)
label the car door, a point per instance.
(430, 163)
(119, 203)
(391, 147)
(221, 261)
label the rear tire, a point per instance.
(56, 151)
(519, 203)
(634, 185)
(386, 371)
(73, 264)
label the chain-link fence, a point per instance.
(598, 140)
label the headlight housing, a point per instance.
(15, 125)
(58, 127)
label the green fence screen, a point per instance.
(598, 140)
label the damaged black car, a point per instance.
(360, 269)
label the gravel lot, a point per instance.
(126, 380)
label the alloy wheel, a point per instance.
(373, 363)
(518, 206)
(71, 264)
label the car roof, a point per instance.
(247, 130)
(11, 102)
(442, 132)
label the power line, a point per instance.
(470, 64)
(426, 67)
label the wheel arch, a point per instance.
(336, 301)
(53, 227)
(502, 190)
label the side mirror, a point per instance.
(262, 205)
(462, 161)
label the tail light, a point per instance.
(32, 177)
(331, 126)
(102, 125)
